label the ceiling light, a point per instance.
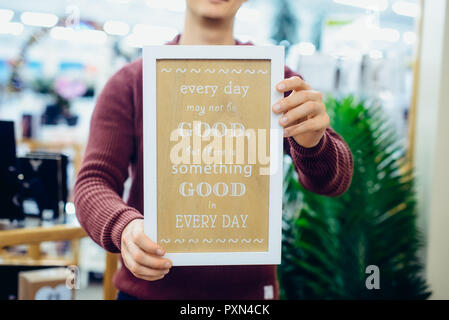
(375, 5)
(6, 15)
(39, 19)
(405, 8)
(116, 28)
(14, 28)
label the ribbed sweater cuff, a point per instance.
(120, 223)
(309, 152)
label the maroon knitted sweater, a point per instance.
(115, 145)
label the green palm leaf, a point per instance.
(329, 242)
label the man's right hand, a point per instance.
(143, 257)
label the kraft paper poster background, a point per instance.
(252, 110)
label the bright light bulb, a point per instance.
(405, 8)
(6, 15)
(37, 19)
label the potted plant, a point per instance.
(331, 244)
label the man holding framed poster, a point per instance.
(213, 225)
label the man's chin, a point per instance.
(214, 11)
(210, 15)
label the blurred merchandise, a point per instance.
(45, 181)
(30, 126)
(10, 200)
(9, 290)
(44, 284)
(40, 176)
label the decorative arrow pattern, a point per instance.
(224, 71)
(218, 240)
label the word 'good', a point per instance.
(220, 189)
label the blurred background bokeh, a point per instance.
(56, 55)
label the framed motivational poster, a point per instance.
(213, 153)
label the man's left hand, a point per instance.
(304, 115)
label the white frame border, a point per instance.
(150, 55)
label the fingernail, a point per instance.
(281, 86)
(277, 107)
(167, 265)
(286, 132)
(159, 251)
(166, 271)
(284, 120)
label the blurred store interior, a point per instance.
(56, 56)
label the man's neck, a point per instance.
(203, 31)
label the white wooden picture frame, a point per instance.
(151, 54)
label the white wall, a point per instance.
(432, 146)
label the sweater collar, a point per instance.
(175, 41)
